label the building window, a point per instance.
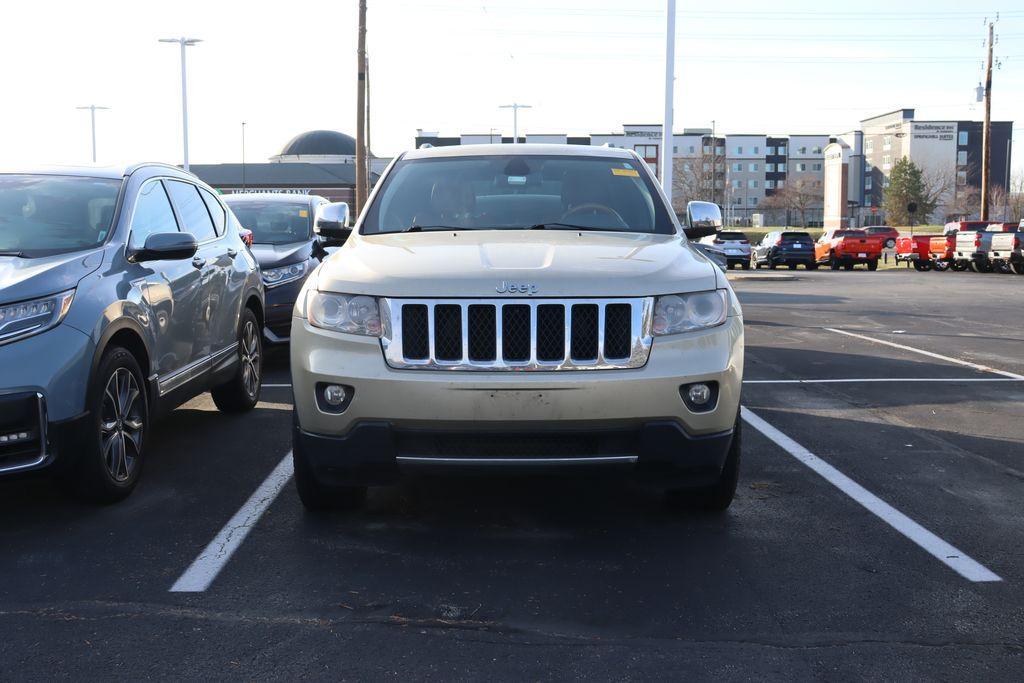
(739, 150)
(780, 184)
(737, 184)
(752, 201)
(961, 158)
(868, 168)
(769, 184)
(692, 148)
(707, 149)
(707, 167)
(782, 151)
(769, 168)
(869, 146)
(887, 143)
(752, 184)
(802, 150)
(782, 169)
(961, 178)
(816, 150)
(737, 201)
(886, 162)
(769, 151)
(752, 168)
(736, 168)
(815, 167)
(962, 138)
(675, 149)
(649, 153)
(757, 150)
(801, 167)
(720, 151)
(867, 183)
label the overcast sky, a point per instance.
(585, 66)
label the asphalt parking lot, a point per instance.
(878, 531)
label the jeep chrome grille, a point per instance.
(516, 334)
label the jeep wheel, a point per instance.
(107, 467)
(242, 392)
(718, 496)
(873, 265)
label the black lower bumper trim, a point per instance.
(377, 453)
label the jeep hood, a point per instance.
(477, 263)
(31, 278)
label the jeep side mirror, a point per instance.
(331, 224)
(168, 246)
(702, 219)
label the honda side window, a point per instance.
(153, 214)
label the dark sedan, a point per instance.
(285, 247)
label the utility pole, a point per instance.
(92, 116)
(361, 110)
(515, 107)
(986, 135)
(183, 42)
(666, 132)
(714, 164)
(243, 156)
(369, 149)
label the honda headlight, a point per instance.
(676, 313)
(354, 314)
(272, 277)
(31, 317)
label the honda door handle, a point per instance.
(198, 262)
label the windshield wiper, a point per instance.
(19, 254)
(425, 228)
(568, 226)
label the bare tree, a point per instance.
(938, 185)
(1015, 200)
(798, 196)
(963, 204)
(698, 179)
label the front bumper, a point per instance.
(279, 304)
(30, 440)
(388, 404)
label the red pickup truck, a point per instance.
(927, 252)
(846, 248)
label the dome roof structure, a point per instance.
(320, 143)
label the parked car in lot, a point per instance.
(926, 252)
(888, 234)
(530, 308)
(285, 247)
(123, 292)
(784, 248)
(734, 246)
(973, 245)
(1006, 252)
(845, 248)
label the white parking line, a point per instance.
(882, 379)
(949, 555)
(948, 359)
(202, 572)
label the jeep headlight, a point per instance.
(273, 277)
(32, 317)
(676, 313)
(354, 314)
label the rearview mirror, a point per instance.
(702, 219)
(332, 223)
(168, 246)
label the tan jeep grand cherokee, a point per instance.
(517, 307)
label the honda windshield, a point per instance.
(508, 192)
(43, 215)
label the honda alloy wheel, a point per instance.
(122, 424)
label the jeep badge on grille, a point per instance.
(516, 288)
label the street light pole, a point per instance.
(92, 116)
(666, 133)
(243, 156)
(183, 42)
(515, 107)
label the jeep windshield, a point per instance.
(510, 192)
(43, 215)
(274, 222)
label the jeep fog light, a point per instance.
(333, 398)
(700, 397)
(335, 394)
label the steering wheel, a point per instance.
(594, 208)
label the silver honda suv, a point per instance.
(123, 292)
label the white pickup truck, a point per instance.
(973, 247)
(528, 308)
(1006, 252)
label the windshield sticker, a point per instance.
(625, 172)
(517, 180)
(303, 213)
